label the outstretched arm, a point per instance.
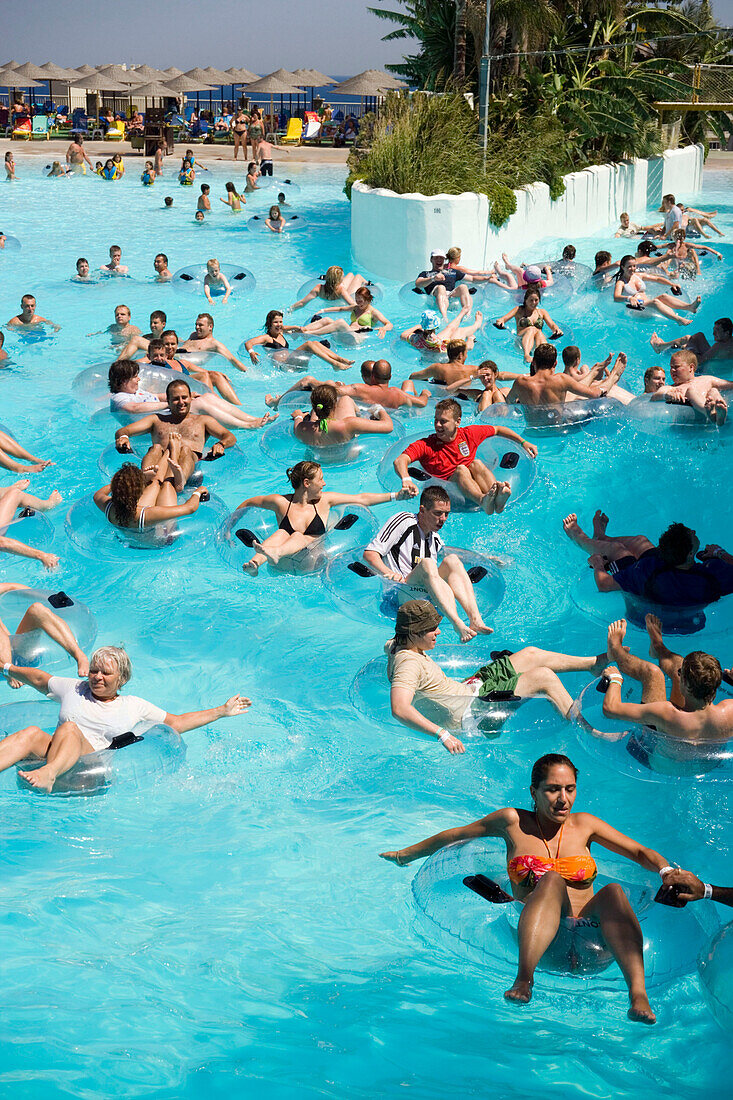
(224, 351)
(194, 719)
(604, 834)
(33, 677)
(494, 824)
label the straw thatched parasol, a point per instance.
(11, 78)
(120, 74)
(35, 72)
(368, 83)
(241, 76)
(281, 82)
(183, 84)
(311, 78)
(154, 89)
(86, 70)
(56, 72)
(173, 71)
(146, 72)
(97, 82)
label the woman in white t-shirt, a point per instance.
(91, 715)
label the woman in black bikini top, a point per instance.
(307, 481)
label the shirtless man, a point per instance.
(202, 339)
(444, 373)
(28, 316)
(704, 394)
(654, 379)
(697, 342)
(122, 329)
(82, 271)
(3, 352)
(180, 432)
(158, 321)
(75, 155)
(545, 387)
(691, 713)
(160, 263)
(374, 389)
(115, 266)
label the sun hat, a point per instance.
(430, 320)
(417, 617)
(532, 274)
(438, 252)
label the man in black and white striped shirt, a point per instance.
(407, 549)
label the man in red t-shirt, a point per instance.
(450, 455)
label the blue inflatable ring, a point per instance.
(643, 753)
(507, 460)
(365, 596)
(486, 933)
(715, 967)
(293, 223)
(281, 447)
(160, 751)
(348, 525)
(190, 280)
(35, 647)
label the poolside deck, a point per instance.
(101, 150)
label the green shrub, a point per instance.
(429, 144)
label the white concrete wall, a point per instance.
(392, 235)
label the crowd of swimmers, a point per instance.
(188, 414)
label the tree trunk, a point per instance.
(459, 45)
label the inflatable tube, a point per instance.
(268, 183)
(561, 419)
(606, 607)
(507, 461)
(293, 223)
(157, 751)
(579, 275)
(35, 647)
(469, 925)
(348, 525)
(281, 447)
(286, 360)
(92, 386)
(190, 280)
(495, 297)
(642, 752)
(232, 464)
(307, 286)
(659, 419)
(619, 309)
(31, 527)
(415, 297)
(365, 596)
(715, 967)
(12, 244)
(462, 715)
(95, 537)
(508, 338)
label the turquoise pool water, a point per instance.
(231, 930)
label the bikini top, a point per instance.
(527, 870)
(272, 344)
(140, 522)
(315, 528)
(365, 320)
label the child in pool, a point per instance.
(215, 281)
(233, 200)
(148, 176)
(275, 221)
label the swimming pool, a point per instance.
(232, 927)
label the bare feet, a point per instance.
(520, 993)
(41, 778)
(177, 473)
(488, 502)
(252, 567)
(260, 423)
(573, 530)
(640, 1010)
(49, 561)
(465, 633)
(656, 342)
(272, 400)
(22, 484)
(503, 492)
(616, 635)
(696, 304)
(654, 630)
(82, 665)
(600, 523)
(480, 627)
